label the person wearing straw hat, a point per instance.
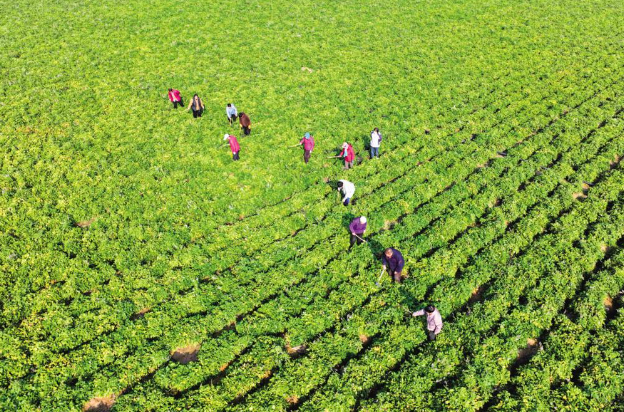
(357, 228)
(348, 154)
(234, 146)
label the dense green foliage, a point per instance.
(128, 234)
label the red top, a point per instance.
(174, 95)
(234, 144)
(350, 154)
(308, 144)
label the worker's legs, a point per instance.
(306, 156)
(346, 202)
(235, 155)
(352, 241)
(397, 276)
(374, 152)
(246, 130)
(431, 335)
(196, 114)
(359, 239)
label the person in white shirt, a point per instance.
(434, 320)
(347, 189)
(231, 112)
(374, 143)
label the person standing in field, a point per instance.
(245, 123)
(231, 112)
(348, 154)
(308, 145)
(357, 228)
(197, 105)
(375, 143)
(175, 98)
(434, 320)
(347, 189)
(393, 261)
(234, 146)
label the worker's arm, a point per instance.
(418, 313)
(189, 106)
(437, 320)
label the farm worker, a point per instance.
(348, 154)
(375, 142)
(231, 112)
(233, 145)
(393, 261)
(197, 105)
(434, 320)
(357, 228)
(308, 146)
(175, 98)
(245, 123)
(347, 189)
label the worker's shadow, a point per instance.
(376, 248)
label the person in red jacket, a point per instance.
(308, 146)
(233, 145)
(175, 98)
(348, 154)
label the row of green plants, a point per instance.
(191, 376)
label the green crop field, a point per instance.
(142, 269)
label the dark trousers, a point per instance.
(231, 118)
(346, 202)
(355, 239)
(246, 130)
(197, 113)
(235, 155)
(178, 103)
(306, 156)
(395, 276)
(431, 335)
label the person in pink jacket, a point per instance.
(348, 154)
(308, 146)
(434, 320)
(234, 146)
(175, 98)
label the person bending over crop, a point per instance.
(234, 146)
(175, 98)
(375, 143)
(197, 105)
(308, 145)
(392, 261)
(357, 228)
(348, 154)
(231, 112)
(245, 123)
(434, 320)
(347, 189)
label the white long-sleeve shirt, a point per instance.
(231, 111)
(348, 189)
(375, 139)
(434, 320)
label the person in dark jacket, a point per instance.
(393, 262)
(197, 105)
(357, 228)
(245, 123)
